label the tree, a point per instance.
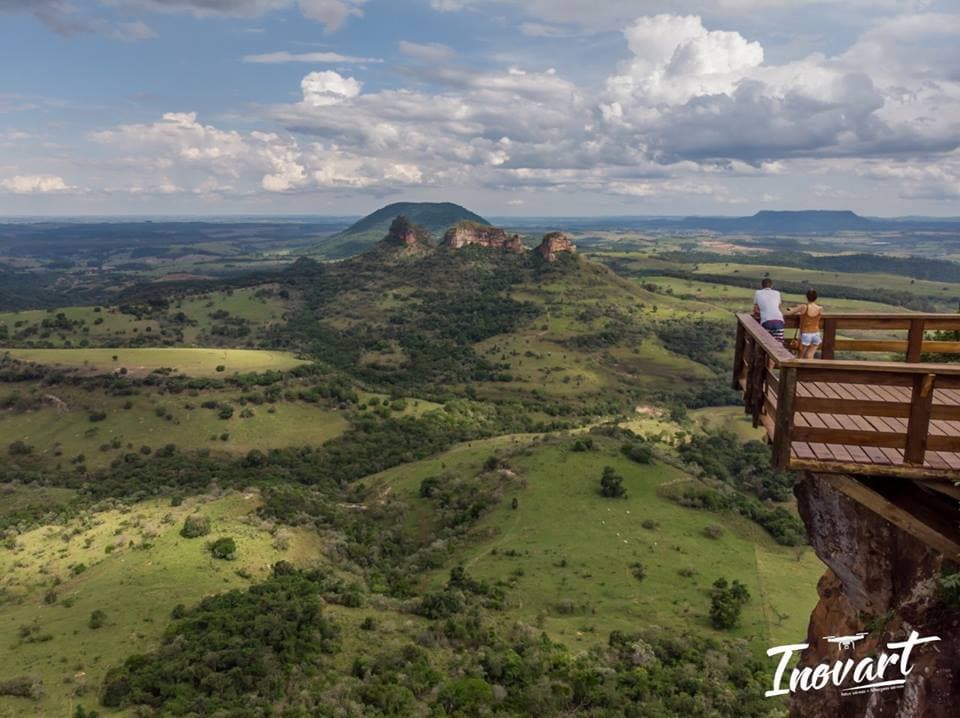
(195, 526)
(726, 603)
(611, 484)
(224, 548)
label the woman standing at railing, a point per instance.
(810, 315)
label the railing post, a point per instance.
(756, 378)
(783, 421)
(738, 349)
(829, 339)
(915, 341)
(918, 427)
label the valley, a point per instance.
(471, 471)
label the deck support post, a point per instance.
(756, 379)
(829, 339)
(918, 426)
(738, 349)
(783, 421)
(915, 341)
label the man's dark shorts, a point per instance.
(775, 328)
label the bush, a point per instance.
(97, 416)
(726, 603)
(195, 526)
(224, 548)
(23, 687)
(641, 453)
(97, 619)
(650, 524)
(611, 484)
(585, 444)
(712, 531)
(19, 448)
(638, 570)
(225, 412)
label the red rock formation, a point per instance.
(406, 234)
(471, 233)
(554, 243)
(883, 582)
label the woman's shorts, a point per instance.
(811, 339)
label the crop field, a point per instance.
(141, 361)
(133, 565)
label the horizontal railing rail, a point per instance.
(864, 406)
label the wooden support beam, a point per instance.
(915, 341)
(783, 421)
(887, 471)
(829, 346)
(738, 349)
(918, 426)
(911, 513)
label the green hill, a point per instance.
(436, 217)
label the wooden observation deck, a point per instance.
(885, 432)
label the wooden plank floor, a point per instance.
(868, 455)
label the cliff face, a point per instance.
(470, 233)
(405, 234)
(883, 582)
(554, 243)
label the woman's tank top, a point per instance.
(810, 319)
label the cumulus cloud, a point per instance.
(321, 89)
(34, 184)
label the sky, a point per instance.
(509, 107)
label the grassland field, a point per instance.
(189, 361)
(583, 556)
(148, 570)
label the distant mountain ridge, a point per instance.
(435, 217)
(812, 221)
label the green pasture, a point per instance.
(567, 546)
(142, 361)
(70, 432)
(149, 569)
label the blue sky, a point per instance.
(510, 107)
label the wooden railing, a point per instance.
(916, 343)
(876, 417)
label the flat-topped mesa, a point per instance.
(404, 233)
(553, 243)
(471, 233)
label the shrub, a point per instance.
(19, 448)
(97, 619)
(611, 484)
(224, 548)
(650, 524)
(97, 416)
(221, 367)
(638, 570)
(641, 453)
(195, 526)
(712, 531)
(225, 412)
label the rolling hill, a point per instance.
(436, 217)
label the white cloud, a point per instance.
(318, 58)
(321, 89)
(428, 52)
(34, 184)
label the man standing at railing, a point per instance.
(766, 307)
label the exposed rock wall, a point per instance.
(554, 243)
(470, 233)
(883, 581)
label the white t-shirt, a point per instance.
(769, 302)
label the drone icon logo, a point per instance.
(846, 642)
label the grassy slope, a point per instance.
(291, 424)
(136, 589)
(141, 361)
(600, 538)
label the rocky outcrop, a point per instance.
(553, 244)
(883, 582)
(407, 235)
(470, 233)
